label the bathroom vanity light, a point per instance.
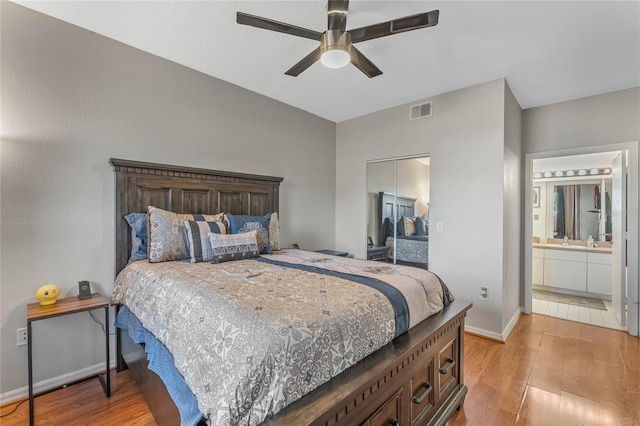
(572, 173)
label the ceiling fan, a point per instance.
(336, 48)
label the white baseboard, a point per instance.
(54, 382)
(511, 324)
(500, 337)
(484, 333)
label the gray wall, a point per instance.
(513, 222)
(70, 101)
(465, 139)
(595, 120)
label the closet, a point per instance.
(398, 210)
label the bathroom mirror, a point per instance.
(579, 210)
(575, 209)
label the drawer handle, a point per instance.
(449, 367)
(426, 392)
(394, 422)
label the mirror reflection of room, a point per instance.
(398, 211)
(582, 211)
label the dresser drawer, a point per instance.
(389, 414)
(447, 370)
(422, 392)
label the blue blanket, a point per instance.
(161, 363)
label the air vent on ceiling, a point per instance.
(421, 110)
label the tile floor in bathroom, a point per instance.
(578, 313)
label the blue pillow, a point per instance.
(422, 225)
(239, 224)
(138, 224)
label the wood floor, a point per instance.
(550, 372)
(85, 404)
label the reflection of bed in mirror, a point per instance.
(411, 247)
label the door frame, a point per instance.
(633, 245)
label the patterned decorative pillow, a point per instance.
(422, 225)
(274, 232)
(406, 226)
(227, 247)
(167, 233)
(138, 224)
(198, 238)
(239, 224)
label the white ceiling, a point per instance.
(549, 51)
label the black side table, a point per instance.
(66, 306)
(378, 253)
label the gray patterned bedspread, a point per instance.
(252, 336)
(409, 250)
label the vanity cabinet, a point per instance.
(599, 273)
(565, 269)
(537, 266)
(577, 270)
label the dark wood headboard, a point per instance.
(185, 190)
(388, 204)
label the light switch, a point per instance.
(439, 227)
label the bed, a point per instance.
(407, 247)
(407, 377)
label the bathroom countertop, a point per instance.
(571, 247)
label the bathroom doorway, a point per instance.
(576, 248)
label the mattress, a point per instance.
(251, 336)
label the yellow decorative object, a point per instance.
(47, 294)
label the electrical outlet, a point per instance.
(484, 293)
(21, 336)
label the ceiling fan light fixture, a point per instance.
(335, 58)
(336, 49)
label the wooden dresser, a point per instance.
(415, 380)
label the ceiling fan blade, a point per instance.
(400, 25)
(363, 63)
(305, 63)
(280, 27)
(337, 15)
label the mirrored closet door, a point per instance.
(398, 211)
